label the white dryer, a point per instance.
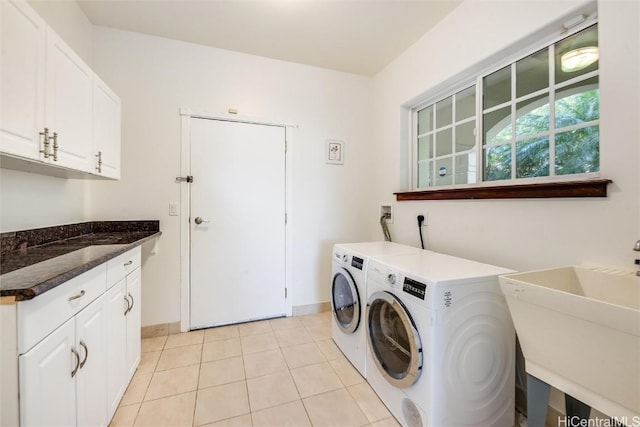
(348, 295)
(441, 343)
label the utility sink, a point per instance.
(579, 328)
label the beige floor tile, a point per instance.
(271, 390)
(369, 402)
(258, 343)
(173, 381)
(264, 363)
(290, 414)
(285, 323)
(179, 356)
(148, 362)
(318, 319)
(169, 411)
(221, 403)
(320, 332)
(137, 388)
(221, 333)
(221, 349)
(329, 349)
(255, 328)
(335, 408)
(315, 379)
(302, 355)
(294, 336)
(125, 416)
(185, 338)
(153, 344)
(347, 373)
(220, 372)
(387, 422)
(241, 421)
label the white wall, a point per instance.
(156, 76)
(29, 200)
(520, 234)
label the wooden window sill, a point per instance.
(587, 188)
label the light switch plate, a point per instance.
(173, 209)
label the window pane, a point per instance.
(497, 126)
(444, 112)
(497, 88)
(578, 103)
(585, 38)
(466, 104)
(578, 151)
(425, 147)
(425, 120)
(465, 139)
(532, 73)
(444, 172)
(532, 116)
(444, 143)
(497, 163)
(532, 157)
(465, 169)
(424, 174)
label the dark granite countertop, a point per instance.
(35, 261)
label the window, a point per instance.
(532, 120)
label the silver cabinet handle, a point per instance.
(99, 162)
(128, 263)
(128, 309)
(75, 370)
(78, 295)
(45, 143)
(132, 303)
(86, 354)
(55, 146)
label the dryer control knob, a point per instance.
(391, 278)
(345, 257)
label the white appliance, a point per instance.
(348, 295)
(441, 343)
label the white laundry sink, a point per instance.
(579, 328)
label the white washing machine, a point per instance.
(348, 295)
(441, 343)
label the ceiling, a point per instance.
(355, 36)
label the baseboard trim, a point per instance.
(164, 329)
(160, 330)
(303, 310)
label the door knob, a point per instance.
(198, 220)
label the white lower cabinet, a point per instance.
(76, 347)
(123, 336)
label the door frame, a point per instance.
(186, 114)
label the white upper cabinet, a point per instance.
(106, 130)
(51, 110)
(22, 79)
(69, 105)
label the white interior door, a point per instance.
(238, 196)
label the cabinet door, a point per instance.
(134, 319)
(69, 104)
(47, 389)
(116, 345)
(22, 66)
(91, 380)
(106, 129)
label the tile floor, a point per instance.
(280, 372)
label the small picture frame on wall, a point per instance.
(335, 152)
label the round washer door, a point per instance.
(393, 340)
(345, 301)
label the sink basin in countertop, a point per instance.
(579, 328)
